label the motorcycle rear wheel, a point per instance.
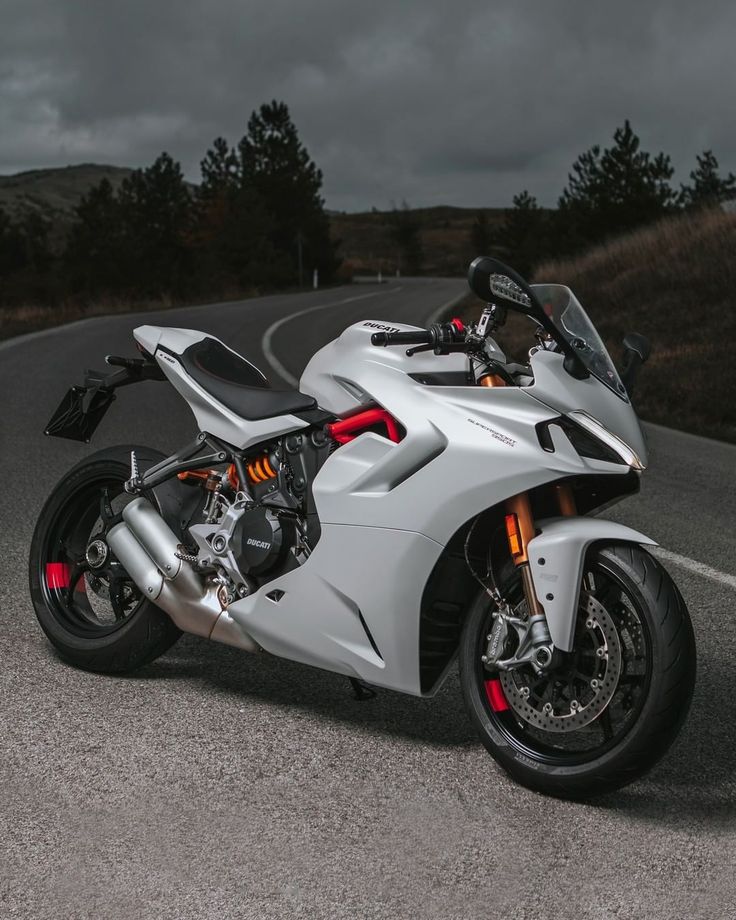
(646, 634)
(95, 617)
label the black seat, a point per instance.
(238, 384)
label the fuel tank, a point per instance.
(333, 374)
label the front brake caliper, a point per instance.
(496, 640)
(533, 642)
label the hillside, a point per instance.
(54, 192)
(366, 242)
(674, 282)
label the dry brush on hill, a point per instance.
(674, 282)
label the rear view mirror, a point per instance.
(637, 348)
(639, 344)
(491, 280)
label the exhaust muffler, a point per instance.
(147, 547)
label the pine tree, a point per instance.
(93, 255)
(220, 169)
(278, 171)
(708, 189)
(12, 247)
(615, 190)
(27, 261)
(157, 217)
(233, 227)
(523, 238)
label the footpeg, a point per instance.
(133, 484)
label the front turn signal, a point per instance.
(514, 537)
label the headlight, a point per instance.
(590, 438)
(612, 441)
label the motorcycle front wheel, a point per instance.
(606, 712)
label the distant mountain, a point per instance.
(54, 192)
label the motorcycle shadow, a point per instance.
(274, 681)
(695, 783)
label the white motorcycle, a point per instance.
(406, 507)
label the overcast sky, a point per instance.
(434, 101)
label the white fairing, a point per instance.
(211, 416)
(386, 509)
(556, 557)
(370, 572)
(556, 388)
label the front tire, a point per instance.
(95, 617)
(648, 627)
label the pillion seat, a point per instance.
(238, 384)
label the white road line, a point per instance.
(438, 314)
(273, 329)
(134, 314)
(692, 565)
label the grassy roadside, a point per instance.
(674, 282)
(19, 320)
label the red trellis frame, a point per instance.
(347, 429)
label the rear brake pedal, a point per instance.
(361, 690)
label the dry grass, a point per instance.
(674, 282)
(30, 318)
(366, 241)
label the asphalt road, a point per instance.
(215, 784)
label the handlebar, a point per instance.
(442, 337)
(420, 337)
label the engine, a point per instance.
(262, 539)
(248, 533)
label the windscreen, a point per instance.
(565, 311)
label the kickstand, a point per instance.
(362, 691)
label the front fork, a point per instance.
(520, 531)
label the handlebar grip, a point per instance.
(420, 337)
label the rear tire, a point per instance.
(133, 632)
(538, 759)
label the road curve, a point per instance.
(214, 784)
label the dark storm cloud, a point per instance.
(463, 103)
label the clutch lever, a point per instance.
(410, 352)
(443, 348)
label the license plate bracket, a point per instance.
(79, 413)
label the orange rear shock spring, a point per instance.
(262, 468)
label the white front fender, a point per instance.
(556, 559)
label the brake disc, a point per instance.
(570, 697)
